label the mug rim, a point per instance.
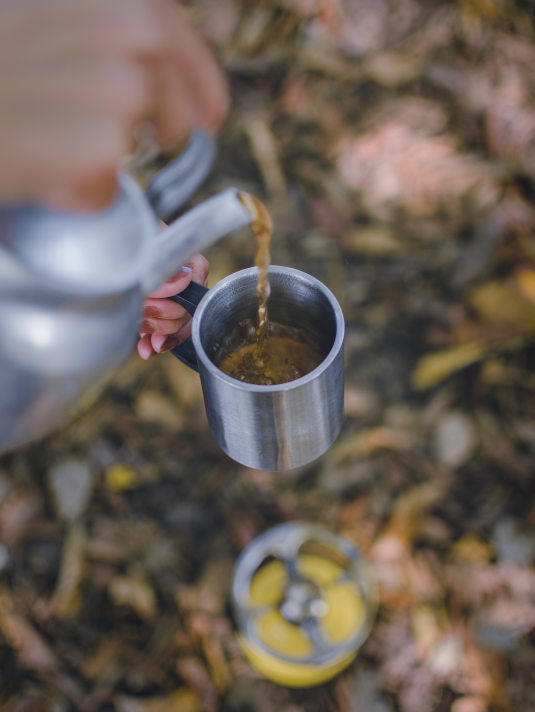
(209, 365)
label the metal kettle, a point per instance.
(72, 287)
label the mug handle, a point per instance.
(189, 299)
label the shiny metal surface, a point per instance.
(55, 357)
(82, 253)
(176, 183)
(193, 232)
(286, 543)
(71, 292)
(283, 426)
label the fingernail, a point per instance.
(144, 350)
(185, 269)
(169, 344)
(158, 342)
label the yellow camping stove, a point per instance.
(304, 603)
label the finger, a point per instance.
(197, 269)
(200, 268)
(162, 309)
(163, 340)
(160, 344)
(162, 326)
(157, 341)
(174, 112)
(144, 348)
(117, 26)
(191, 59)
(176, 284)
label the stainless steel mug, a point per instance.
(276, 427)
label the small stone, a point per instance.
(377, 241)
(334, 480)
(359, 402)
(454, 439)
(154, 407)
(364, 685)
(70, 482)
(511, 544)
(497, 637)
(445, 657)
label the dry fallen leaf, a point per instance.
(156, 407)
(392, 68)
(29, 646)
(471, 549)
(376, 241)
(121, 476)
(434, 367)
(427, 627)
(368, 441)
(100, 661)
(192, 670)
(503, 303)
(406, 160)
(135, 592)
(209, 593)
(409, 512)
(185, 385)
(182, 700)
(525, 279)
(264, 150)
(66, 599)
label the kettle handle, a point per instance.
(174, 184)
(189, 298)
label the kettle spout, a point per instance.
(193, 232)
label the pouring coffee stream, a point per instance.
(262, 227)
(262, 351)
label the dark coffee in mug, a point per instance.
(284, 354)
(262, 351)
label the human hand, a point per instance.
(165, 324)
(78, 77)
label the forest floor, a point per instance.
(393, 142)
